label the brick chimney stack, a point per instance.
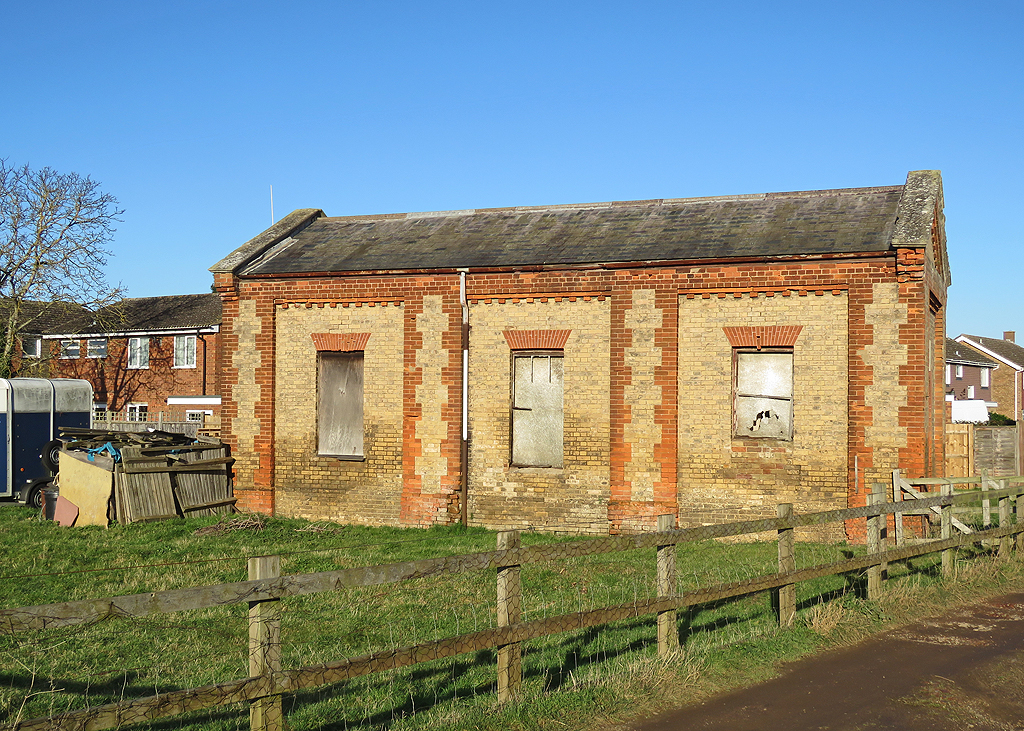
(1009, 335)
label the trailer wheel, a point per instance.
(34, 498)
(51, 455)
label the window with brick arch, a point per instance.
(340, 404)
(763, 393)
(537, 409)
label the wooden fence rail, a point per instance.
(263, 690)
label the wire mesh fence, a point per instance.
(336, 644)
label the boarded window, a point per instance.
(340, 404)
(764, 394)
(537, 416)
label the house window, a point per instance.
(537, 409)
(136, 412)
(949, 374)
(959, 371)
(70, 348)
(763, 395)
(96, 347)
(970, 392)
(985, 374)
(340, 404)
(138, 352)
(31, 347)
(184, 351)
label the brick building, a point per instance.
(145, 356)
(1007, 392)
(587, 367)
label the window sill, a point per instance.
(527, 469)
(184, 367)
(344, 457)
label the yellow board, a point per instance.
(87, 485)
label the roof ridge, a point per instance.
(603, 205)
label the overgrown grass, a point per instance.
(573, 680)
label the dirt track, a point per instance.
(964, 670)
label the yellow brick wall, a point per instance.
(743, 478)
(884, 396)
(642, 395)
(575, 497)
(432, 396)
(245, 393)
(325, 488)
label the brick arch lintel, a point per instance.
(763, 336)
(536, 339)
(340, 342)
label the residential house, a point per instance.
(586, 368)
(1007, 384)
(968, 383)
(34, 319)
(146, 356)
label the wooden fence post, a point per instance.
(897, 497)
(876, 525)
(510, 602)
(947, 531)
(1004, 520)
(265, 714)
(1018, 502)
(986, 505)
(786, 600)
(668, 629)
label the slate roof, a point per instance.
(1003, 350)
(149, 314)
(40, 318)
(959, 353)
(766, 226)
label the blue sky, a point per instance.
(189, 112)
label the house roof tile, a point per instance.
(1010, 353)
(960, 353)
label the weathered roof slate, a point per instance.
(772, 225)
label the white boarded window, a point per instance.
(184, 351)
(138, 352)
(537, 412)
(340, 404)
(763, 404)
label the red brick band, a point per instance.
(340, 342)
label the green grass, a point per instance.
(573, 680)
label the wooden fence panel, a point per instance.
(960, 450)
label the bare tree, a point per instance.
(54, 232)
